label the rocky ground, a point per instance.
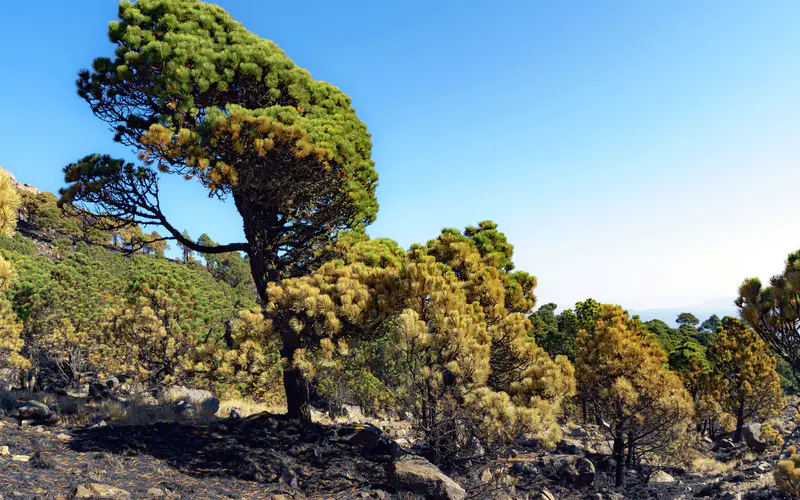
(43, 455)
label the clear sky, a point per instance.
(642, 153)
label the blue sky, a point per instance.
(642, 153)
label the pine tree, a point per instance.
(444, 306)
(774, 311)
(621, 376)
(744, 373)
(198, 96)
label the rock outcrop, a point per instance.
(752, 436)
(17, 184)
(414, 473)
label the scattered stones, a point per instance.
(96, 490)
(660, 477)
(763, 468)
(752, 436)
(414, 473)
(544, 495)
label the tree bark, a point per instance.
(631, 450)
(737, 436)
(619, 457)
(259, 228)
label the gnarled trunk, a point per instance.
(260, 228)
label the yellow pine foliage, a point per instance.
(465, 365)
(623, 380)
(787, 474)
(249, 368)
(9, 206)
(744, 373)
(11, 342)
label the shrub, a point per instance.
(787, 474)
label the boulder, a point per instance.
(32, 410)
(111, 382)
(723, 444)
(753, 438)
(98, 391)
(578, 432)
(203, 400)
(414, 473)
(97, 490)
(186, 409)
(570, 447)
(570, 470)
(366, 437)
(35, 413)
(603, 447)
(660, 477)
(352, 412)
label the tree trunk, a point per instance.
(631, 450)
(298, 393)
(737, 436)
(261, 229)
(619, 457)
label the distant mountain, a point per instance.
(721, 307)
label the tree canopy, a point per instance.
(197, 95)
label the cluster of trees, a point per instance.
(445, 331)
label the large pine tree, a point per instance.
(197, 95)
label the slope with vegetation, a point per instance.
(441, 340)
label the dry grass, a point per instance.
(140, 410)
(247, 407)
(705, 465)
(9, 398)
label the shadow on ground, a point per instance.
(264, 448)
